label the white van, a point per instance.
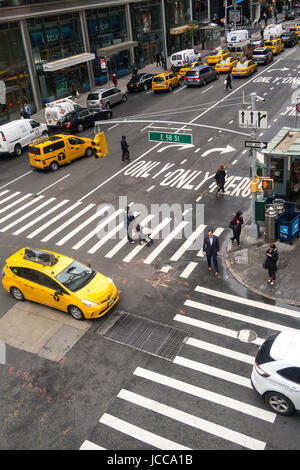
(16, 135)
(272, 31)
(238, 35)
(58, 109)
(183, 57)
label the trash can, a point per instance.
(279, 205)
(260, 208)
(270, 223)
(288, 226)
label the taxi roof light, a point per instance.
(40, 257)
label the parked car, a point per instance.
(290, 39)
(262, 55)
(200, 76)
(105, 98)
(76, 121)
(291, 14)
(16, 135)
(140, 82)
(276, 372)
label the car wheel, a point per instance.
(76, 312)
(170, 88)
(109, 115)
(107, 106)
(146, 86)
(79, 128)
(45, 134)
(279, 403)
(124, 99)
(89, 152)
(217, 76)
(204, 82)
(16, 293)
(54, 166)
(18, 150)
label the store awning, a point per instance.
(68, 62)
(111, 50)
(179, 29)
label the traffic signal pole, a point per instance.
(253, 227)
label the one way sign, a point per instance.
(253, 119)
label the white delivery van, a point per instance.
(16, 135)
(272, 31)
(183, 57)
(239, 35)
(58, 109)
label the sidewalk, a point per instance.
(245, 264)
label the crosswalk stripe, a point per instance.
(4, 192)
(220, 350)
(238, 316)
(20, 209)
(54, 219)
(140, 434)
(99, 227)
(8, 197)
(157, 229)
(252, 303)
(26, 196)
(211, 327)
(186, 245)
(40, 217)
(77, 229)
(217, 233)
(188, 270)
(117, 247)
(27, 214)
(88, 445)
(214, 371)
(191, 420)
(68, 222)
(205, 394)
(165, 242)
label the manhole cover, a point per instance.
(145, 335)
(247, 336)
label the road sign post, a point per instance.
(170, 137)
(253, 227)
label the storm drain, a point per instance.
(145, 335)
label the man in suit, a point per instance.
(211, 249)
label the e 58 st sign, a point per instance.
(170, 137)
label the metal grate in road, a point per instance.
(145, 335)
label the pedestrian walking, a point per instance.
(157, 58)
(27, 109)
(125, 150)
(115, 80)
(128, 223)
(134, 71)
(74, 91)
(271, 263)
(262, 33)
(164, 62)
(211, 248)
(265, 18)
(220, 179)
(203, 41)
(275, 16)
(23, 113)
(236, 227)
(228, 80)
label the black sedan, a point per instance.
(289, 39)
(76, 121)
(142, 81)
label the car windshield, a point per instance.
(136, 79)
(224, 61)
(75, 276)
(158, 79)
(191, 73)
(241, 65)
(215, 52)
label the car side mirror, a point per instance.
(58, 292)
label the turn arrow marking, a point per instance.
(182, 146)
(227, 149)
(280, 70)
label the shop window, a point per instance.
(277, 170)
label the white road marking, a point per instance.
(188, 270)
(16, 179)
(196, 151)
(151, 187)
(206, 89)
(11, 214)
(27, 214)
(189, 241)
(164, 243)
(15, 202)
(50, 186)
(88, 445)
(234, 162)
(113, 126)
(140, 434)
(230, 122)
(210, 139)
(9, 197)
(214, 348)
(244, 151)
(180, 89)
(185, 160)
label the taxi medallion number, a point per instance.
(170, 137)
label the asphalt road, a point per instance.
(199, 396)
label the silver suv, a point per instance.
(105, 98)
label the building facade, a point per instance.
(50, 47)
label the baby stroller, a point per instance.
(144, 235)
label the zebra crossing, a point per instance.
(203, 399)
(90, 227)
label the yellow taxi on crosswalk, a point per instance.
(217, 55)
(295, 29)
(185, 68)
(165, 81)
(226, 64)
(276, 45)
(244, 68)
(60, 282)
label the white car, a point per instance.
(276, 372)
(16, 135)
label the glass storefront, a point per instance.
(14, 79)
(108, 27)
(200, 14)
(177, 15)
(54, 38)
(147, 27)
(18, 3)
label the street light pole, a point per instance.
(253, 227)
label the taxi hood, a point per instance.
(98, 289)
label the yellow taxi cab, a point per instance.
(57, 150)
(295, 29)
(60, 282)
(165, 81)
(244, 68)
(217, 55)
(226, 64)
(276, 45)
(185, 68)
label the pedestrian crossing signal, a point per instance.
(100, 145)
(267, 184)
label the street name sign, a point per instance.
(253, 119)
(255, 145)
(170, 137)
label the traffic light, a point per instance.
(254, 186)
(267, 184)
(101, 145)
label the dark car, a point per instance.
(76, 121)
(200, 75)
(289, 39)
(140, 82)
(291, 14)
(262, 55)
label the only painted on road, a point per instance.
(170, 137)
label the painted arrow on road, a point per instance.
(222, 150)
(280, 70)
(181, 147)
